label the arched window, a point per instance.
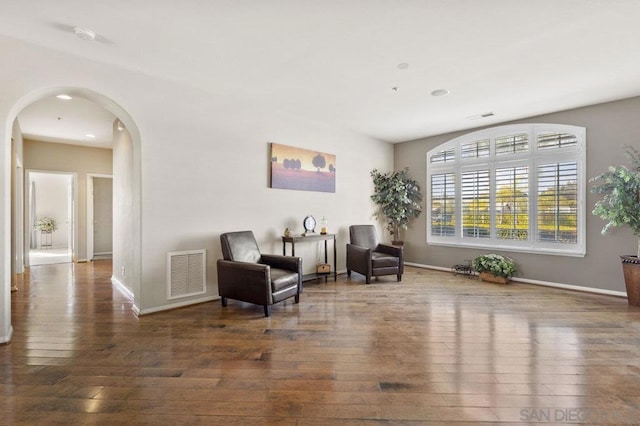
(518, 187)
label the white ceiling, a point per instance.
(336, 61)
(68, 121)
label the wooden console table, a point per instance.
(313, 237)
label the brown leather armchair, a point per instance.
(247, 275)
(366, 256)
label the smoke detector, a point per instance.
(84, 33)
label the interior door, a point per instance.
(102, 216)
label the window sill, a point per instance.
(505, 248)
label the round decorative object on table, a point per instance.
(309, 224)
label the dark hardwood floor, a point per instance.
(432, 349)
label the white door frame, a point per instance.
(18, 214)
(90, 214)
(73, 241)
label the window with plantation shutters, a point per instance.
(512, 144)
(556, 140)
(444, 156)
(558, 202)
(475, 149)
(476, 217)
(516, 188)
(443, 205)
(512, 203)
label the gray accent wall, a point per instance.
(610, 127)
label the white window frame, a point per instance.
(532, 158)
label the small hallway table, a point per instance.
(293, 240)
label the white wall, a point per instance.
(125, 269)
(52, 200)
(206, 172)
(204, 163)
(17, 208)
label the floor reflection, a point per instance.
(432, 348)
(48, 257)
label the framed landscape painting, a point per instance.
(302, 169)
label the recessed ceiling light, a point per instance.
(90, 135)
(64, 97)
(440, 92)
(403, 66)
(84, 33)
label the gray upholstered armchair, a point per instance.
(263, 279)
(366, 256)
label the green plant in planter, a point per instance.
(45, 224)
(620, 205)
(500, 266)
(398, 199)
(620, 190)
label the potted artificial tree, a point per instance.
(620, 205)
(398, 199)
(494, 268)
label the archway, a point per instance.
(127, 154)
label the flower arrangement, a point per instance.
(45, 224)
(500, 266)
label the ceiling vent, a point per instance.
(485, 115)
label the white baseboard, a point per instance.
(136, 310)
(122, 288)
(572, 287)
(419, 265)
(7, 338)
(538, 282)
(177, 305)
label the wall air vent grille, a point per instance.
(186, 273)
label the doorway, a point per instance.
(126, 196)
(99, 217)
(50, 206)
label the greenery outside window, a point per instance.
(519, 187)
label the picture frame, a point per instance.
(301, 169)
